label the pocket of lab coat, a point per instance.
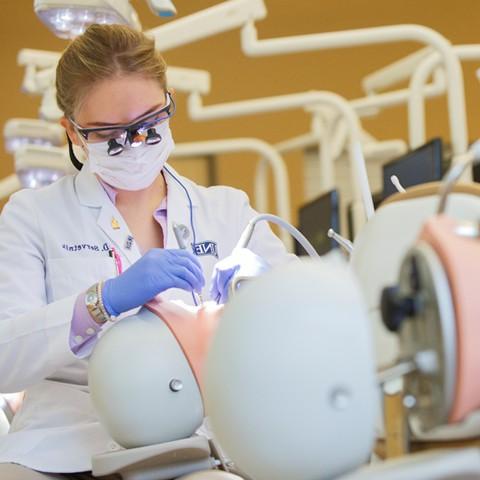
(68, 276)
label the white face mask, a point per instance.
(134, 168)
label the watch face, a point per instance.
(91, 298)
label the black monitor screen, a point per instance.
(476, 173)
(315, 218)
(421, 165)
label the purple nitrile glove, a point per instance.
(242, 262)
(158, 270)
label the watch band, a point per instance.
(94, 303)
(100, 301)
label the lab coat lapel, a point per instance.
(91, 194)
(178, 205)
(115, 227)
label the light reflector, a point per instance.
(38, 165)
(38, 177)
(29, 131)
(69, 18)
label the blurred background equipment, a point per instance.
(69, 18)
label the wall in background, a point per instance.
(236, 77)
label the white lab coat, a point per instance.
(51, 250)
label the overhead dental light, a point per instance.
(70, 18)
(49, 109)
(39, 69)
(40, 165)
(162, 8)
(26, 131)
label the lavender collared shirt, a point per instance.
(84, 330)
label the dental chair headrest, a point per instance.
(429, 189)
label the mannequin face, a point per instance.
(116, 101)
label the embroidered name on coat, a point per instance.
(205, 248)
(79, 247)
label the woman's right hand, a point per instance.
(158, 270)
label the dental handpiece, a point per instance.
(181, 233)
(346, 244)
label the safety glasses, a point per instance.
(133, 134)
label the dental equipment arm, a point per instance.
(243, 264)
(252, 46)
(416, 103)
(363, 204)
(208, 22)
(243, 13)
(248, 232)
(394, 73)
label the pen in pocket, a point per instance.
(117, 259)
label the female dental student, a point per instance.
(90, 247)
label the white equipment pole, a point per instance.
(416, 103)
(368, 36)
(363, 205)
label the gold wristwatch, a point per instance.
(94, 303)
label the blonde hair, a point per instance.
(102, 52)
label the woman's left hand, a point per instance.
(242, 262)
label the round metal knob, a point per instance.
(176, 385)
